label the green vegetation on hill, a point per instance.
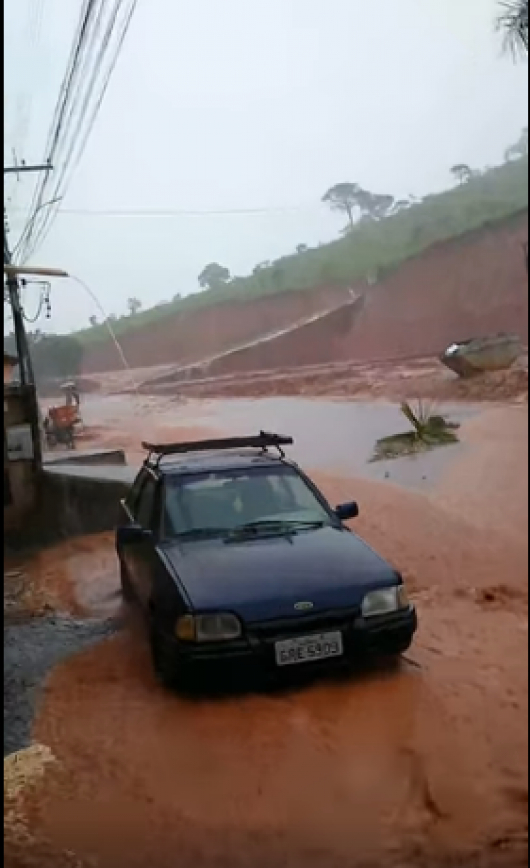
(54, 357)
(366, 252)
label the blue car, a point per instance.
(236, 557)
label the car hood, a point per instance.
(263, 578)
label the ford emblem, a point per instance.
(303, 606)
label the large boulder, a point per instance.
(479, 355)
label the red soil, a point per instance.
(471, 286)
(198, 334)
(423, 766)
(394, 381)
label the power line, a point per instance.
(60, 191)
(21, 168)
(183, 212)
(57, 123)
(24, 102)
(42, 301)
(81, 104)
(83, 44)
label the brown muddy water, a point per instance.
(425, 765)
(331, 436)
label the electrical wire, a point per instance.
(33, 319)
(76, 117)
(72, 158)
(65, 105)
(184, 212)
(62, 185)
(58, 121)
(24, 101)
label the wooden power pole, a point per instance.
(24, 357)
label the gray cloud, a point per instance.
(245, 103)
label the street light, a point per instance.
(14, 271)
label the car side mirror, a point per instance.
(132, 534)
(347, 511)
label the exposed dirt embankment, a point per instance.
(198, 334)
(275, 351)
(471, 286)
(453, 292)
(394, 380)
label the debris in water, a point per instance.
(428, 431)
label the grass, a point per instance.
(369, 252)
(429, 431)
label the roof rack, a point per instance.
(264, 441)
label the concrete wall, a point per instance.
(81, 500)
(22, 476)
(86, 458)
(70, 500)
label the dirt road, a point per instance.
(423, 766)
(394, 380)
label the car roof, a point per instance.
(213, 462)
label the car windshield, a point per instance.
(227, 502)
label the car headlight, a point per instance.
(384, 601)
(217, 627)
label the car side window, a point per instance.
(146, 504)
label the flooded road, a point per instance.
(424, 765)
(333, 436)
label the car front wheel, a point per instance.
(397, 649)
(165, 659)
(125, 582)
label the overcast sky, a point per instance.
(231, 104)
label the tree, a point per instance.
(401, 205)
(351, 197)
(520, 149)
(343, 197)
(93, 320)
(513, 22)
(133, 305)
(214, 276)
(462, 173)
(375, 206)
(277, 274)
(53, 356)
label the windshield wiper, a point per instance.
(265, 525)
(200, 532)
(274, 525)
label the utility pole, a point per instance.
(21, 340)
(20, 168)
(24, 358)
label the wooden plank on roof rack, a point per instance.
(263, 440)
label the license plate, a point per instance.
(306, 648)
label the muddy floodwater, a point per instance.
(335, 436)
(422, 765)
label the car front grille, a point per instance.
(303, 625)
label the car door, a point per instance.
(129, 504)
(140, 554)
